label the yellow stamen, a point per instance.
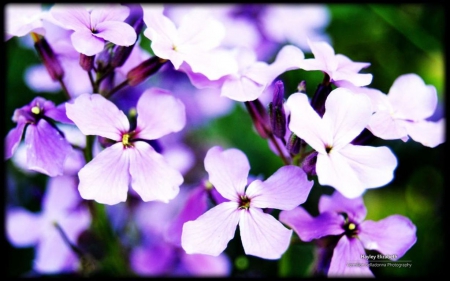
(208, 185)
(132, 112)
(351, 226)
(126, 140)
(36, 110)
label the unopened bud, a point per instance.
(259, 117)
(294, 144)
(49, 59)
(276, 111)
(144, 70)
(309, 164)
(319, 98)
(86, 62)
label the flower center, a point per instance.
(36, 110)
(351, 229)
(126, 140)
(244, 202)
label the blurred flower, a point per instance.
(47, 148)
(392, 236)
(21, 19)
(93, 27)
(60, 206)
(262, 235)
(131, 159)
(348, 168)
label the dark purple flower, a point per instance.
(47, 147)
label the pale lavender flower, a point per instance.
(21, 19)
(337, 66)
(130, 160)
(402, 113)
(47, 148)
(350, 169)
(392, 236)
(195, 41)
(60, 205)
(94, 27)
(262, 235)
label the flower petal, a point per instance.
(262, 235)
(306, 123)
(151, 177)
(159, 113)
(119, 33)
(228, 171)
(337, 203)
(411, 98)
(394, 235)
(13, 139)
(428, 133)
(210, 233)
(105, 179)
(86, 43)
(383, 125)
(110, 12)
(309, 228)
(22, 228)
(207, 266)
(287, 188)
(349, 251)
(61, 194)
(74, 17)
(346, 114)
(95, 115)
(47, 149)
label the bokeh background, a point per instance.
(396, 39)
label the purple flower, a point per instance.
(338, 67)
(351, 169)
(47, 148)
(131, 160)
(262, 235)
(392, 236)
(402, 113)
(60, 205)
(93, 27)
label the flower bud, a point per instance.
(294, 144)
(309, 164)
(86, 62)
(144, 70)
(276, 111)
(319, 98)
(49, 59)
(301, 88)
(259, 117)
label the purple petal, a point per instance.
(324, 57)
(207, 266)
(159, 113)
(86, 43)
(210, 233)
(337, 203)
(151, 177)
(411, 98)
(346, 114)
(228, 171)
(195, 205)
(152, 260)
(383, 125)
(262, 235)
(394, 235)
(59, 114)
(47, 150)
(287, 188)
(22, 227)
(119, 33)
(428, 133)
(241, 88)
(106, 178)
(306, 123)
(61, 194)
(13, 139)
(95, 115)
(309, 228)
(349, 251)
(111, 12)
(73, 17)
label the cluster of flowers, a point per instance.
(93, 55)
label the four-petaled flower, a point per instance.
(262, 235)
(131, 160)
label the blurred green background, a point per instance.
(395, 39)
